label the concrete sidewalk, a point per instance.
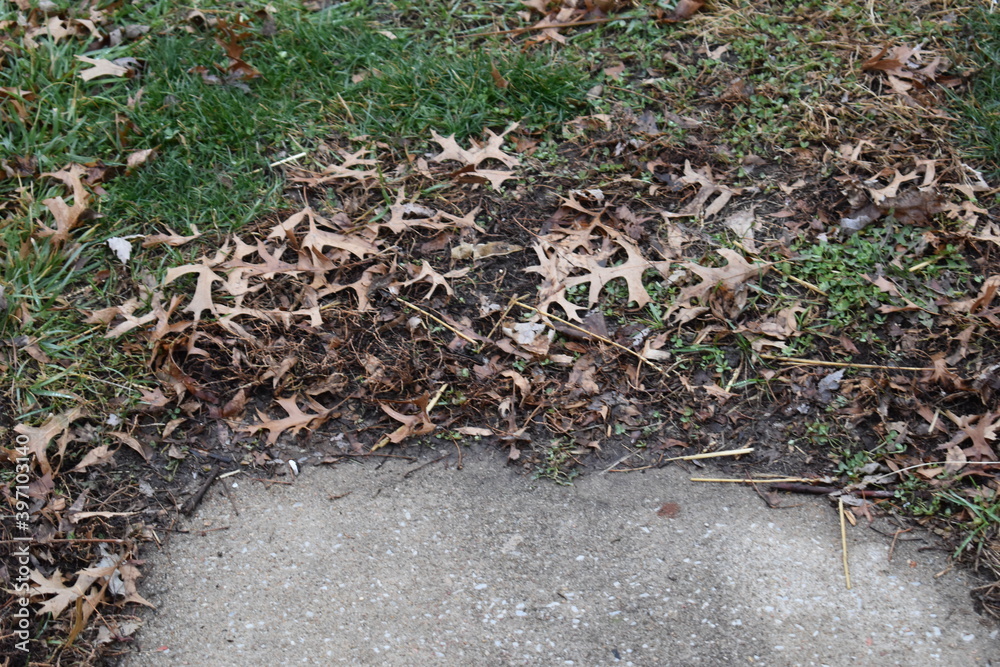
(486, 567)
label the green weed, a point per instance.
(557, 463)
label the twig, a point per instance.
(290, 157)
(711, 455)
(635, 354)
(271, 481)
(692, 457)
(438, 320)
(614, 466)
(510, 304)
(840, 364)
(437, 397)
(384, 456)
(843, 542)
(200, 531)
(826, 489)
(225, 491)
(802, 282)
(751, 481)
(423, 465)
(772, 504)
(338, 497)
(194, 500)
(895, 537)
(555, 26)
(458, 448)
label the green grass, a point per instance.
(214, 145)
(839, 269)
(982, 103)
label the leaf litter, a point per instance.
(329, 294)
(386, 315)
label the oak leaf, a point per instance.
(734, 274)
(316, 241)
(362, 287)
(563, 253)
(202, 299)
(63, 595)
(101, 67)
(40, 437)
(478, 153)
(295, 421)
(427, 274)
(345, 170)
(418, 424)
(67, 217)
(977, 428)
(490, 150)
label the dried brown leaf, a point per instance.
(67, 217)
(97, 456)
(40, 437)
(418, 424)
(426, 274)
(295, 421)
(478, 153)
(101, 67)
(483, 250)
(202, 299)
(731, 276)
(172, 239)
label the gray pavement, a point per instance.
(487, 567)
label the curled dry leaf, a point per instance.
(139, 158)
(97, 456)
(172, 239)
(418, 424)
(982, 301)
(67, 217)
(101, 67)
(142, 450)
(474, 430)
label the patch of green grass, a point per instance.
(324, 76)
(981, 105)
(557, 463)
(982, 519)
(842, 270)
